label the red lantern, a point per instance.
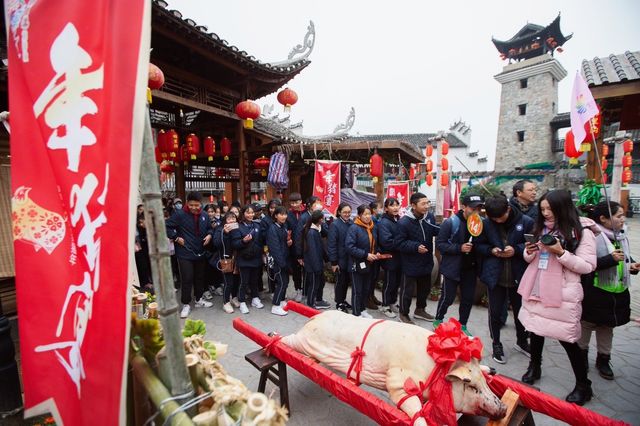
(429, 166)
(158, 155)
(444, 164)
(376, 164)
(605, 150)
(570, 148)
(209, 147)
(429, 150)
(604, 164)
(605, 178)
(262, 164)
(166, 167)
(445, 147)
(412, 172)
(626, 176)
(627, 161)
(444, 179)
(429, 179)
(627, 146)
(193, 145)
(225, 148)
(162, 144)
(156, 77)
(173, 143)
(248, 111)
(287, 97)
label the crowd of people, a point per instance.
(563, 276)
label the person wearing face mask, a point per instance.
(607, 302)
(190, 230)
(551, 286)
(338, 255)
(177, 204)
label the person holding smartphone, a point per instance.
(222, 241)
(506, 232)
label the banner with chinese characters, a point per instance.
(399, 191)
(77, 93)
(326, 184)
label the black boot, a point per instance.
(581, 393)
(585, 355)
(602, 364)
(533, 373)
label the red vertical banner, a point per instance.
(77, 84)
(399, 191)
(326, 184)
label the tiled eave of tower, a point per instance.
(527, 35)
(189, 29)
(612, 69)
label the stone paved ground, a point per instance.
(619, 399)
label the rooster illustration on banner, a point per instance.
(34, 225)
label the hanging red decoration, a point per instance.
(376, 162)
(158, 155)
(412, 172)
(626, 176)
(604, 164)
(605, 178)
(605, 150)
(162, 143)
(445, 147)
(166, 167)
(627, 160)
(592, 128)
(429, 179)
(193, 145)
(173, 143)
(570, 148)
(627, 146)
(156, 77)
(287, 97)
(248, 111)
(429, 150)
(444, 179)
(444, 164)
(225, 148)
(429, 165)
(209, 147)
(262, 164)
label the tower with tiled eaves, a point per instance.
(529, 96)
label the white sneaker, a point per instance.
(218, 291)
(395, 308)
(243, 308)
(365, 314)
(207, 295)
(186, 309)
(227, 308)
(386, 310)
(277, 310)
(203, 303)
(298, 296)
(256, 303)
(235, 302)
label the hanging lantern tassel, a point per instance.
(585, 147)
(573, 161)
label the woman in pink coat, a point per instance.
(550, 288)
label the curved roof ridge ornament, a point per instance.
(303, 50)
(348, 124)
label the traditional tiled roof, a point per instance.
(290, 66)
(418, 139)
(612, 69)
(560, 120)
(531, 41)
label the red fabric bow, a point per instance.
(269, 346)
(356, 363)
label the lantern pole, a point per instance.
(616, 179)
(177, 374)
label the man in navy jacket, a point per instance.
(293, 217)
(190, 230)
(414, 241)
(503, 267)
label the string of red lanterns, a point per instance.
(429, 164)
(444, 164)
(627, 161)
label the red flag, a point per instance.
(456, 196)
(326, 184)
(399, 191)
(77, 86)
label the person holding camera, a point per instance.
(551, 286)
(502, 268)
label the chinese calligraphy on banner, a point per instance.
(77, 83)
(326, 184)
(399, 191)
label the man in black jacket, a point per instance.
(524, 198)
(190, 231)
(503, 267)
(414, 241)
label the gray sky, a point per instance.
(410, 66)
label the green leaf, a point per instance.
(192, 327)
(211, 348)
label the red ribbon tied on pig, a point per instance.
(446, 346)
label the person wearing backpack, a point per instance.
(459, 264)
(551, 286)
(414, 242)
(502, 268)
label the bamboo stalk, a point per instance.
(157, 391)
(161, 267)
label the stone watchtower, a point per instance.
(529, 98)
